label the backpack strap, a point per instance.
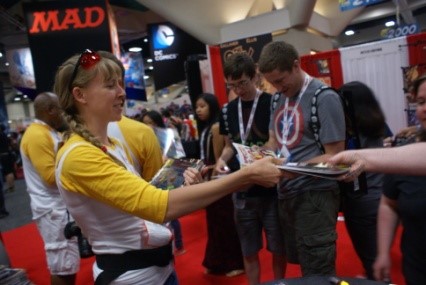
(275, 100)
(225, 118)
(314, 122)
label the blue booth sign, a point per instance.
(352, 4)
(399, 31)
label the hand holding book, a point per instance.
(170, 176)
(248, 155)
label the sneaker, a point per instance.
(235, 272)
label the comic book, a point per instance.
(170, 176)
(247, 155)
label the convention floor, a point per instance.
(18, 206)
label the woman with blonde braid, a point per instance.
(119, 212)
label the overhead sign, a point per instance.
(163, 37)
(60, 29)
(400, 31)
(252, 46)
(352, 4)
(170, 47)
(134, 76)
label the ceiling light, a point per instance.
(149, 60)
(146, 77)
(349, 32)
(135, 49)
(390, 23)
(1, 55)
(145, 40)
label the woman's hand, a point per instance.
(265, 171)
(352, 158)
(382, 268)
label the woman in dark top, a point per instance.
(360, 211)
(223, 251)
(404, 198)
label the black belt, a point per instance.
(113, 265)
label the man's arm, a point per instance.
(272, 143)
(227, 153)
(218, 141)
(330, 149)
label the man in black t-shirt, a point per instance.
(245, 120)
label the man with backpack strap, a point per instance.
(308, 206)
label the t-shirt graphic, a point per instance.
(297, 126)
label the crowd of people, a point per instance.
(91, 165)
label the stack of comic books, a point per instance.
(247, 155)
(170, 176)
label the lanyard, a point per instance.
(203, 134)
(244, 133)
(288, 120)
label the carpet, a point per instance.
(25, 249)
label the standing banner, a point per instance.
(253, 47)
(326, 66)
(170, 47)
(60, 29)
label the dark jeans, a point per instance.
(2, 204)
(361, 223)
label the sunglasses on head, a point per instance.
(86, 60)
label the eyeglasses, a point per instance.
(86, 60)
(239, 84)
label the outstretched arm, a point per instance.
(408, 159)
(227, 153)
(190, 198)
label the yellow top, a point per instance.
(89, 171)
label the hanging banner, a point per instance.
(134, 76)
(60, 29)
(352, 4)
(252, 46)
(21, 71)
(170, 47)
